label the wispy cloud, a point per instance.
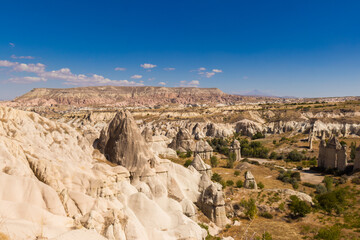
(12, 44)
(136, 76)
(22, 57)
(151, 79)
(63, 74)
(209, 74)
(217, 70)
(193, 83)
(27, 79)
(120, 69)
(147, 66)
(169, 69)
(162, 83)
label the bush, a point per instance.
(329, 233)
(239, 184)
(253, 149)
(266, 215)
(352, 150)
(231, 160)
(258, 135)
(261, 185)
(188, 154)
(236, 173)
(250, 208)
(295, 156)
(214, 161)
(216, 177)
(187, 163)
(356, 180)
(229, 183)
(273, 155)
(310, 185)
(329, 182)
(298, 207)
(265, 236)
(333, 201)
(320, 189)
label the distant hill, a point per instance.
(124, 96)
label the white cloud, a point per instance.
(6, 63)
(34, 68)
(27, 79)
(147, 65)
(12, 44)
(136, 76)
(217, 70)
(63, 74)
(169, 69)
(22, 57)
(162, 83)
(120, 69)
(202, 69)
(209, 74)
(151, 79)
(193, 83)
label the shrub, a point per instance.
(333, 201)
(188, 154)
(310, 185)
(216, 177)
(236, 173)
(329, 182)
(258, 135)
(253, 149)
(229, 182)
(250, 208)
(266, 215)
(265, 236)
(239, 184)
(261, 185)
(298, 207)
(320, 189)
(352, 150)
(274, 142)
(295, 156)
(329, 233)
(230, 161)
(273, 155)
(187, 163)
(214, 161)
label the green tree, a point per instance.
(329, 182)
(214, 161)
(329, 233)
(298, 207)
(216, 177)
(229, 183)
(261, 185)
(250, 208)
(239, 184)
(187, 163)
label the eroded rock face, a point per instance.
(183, 141)
(52, 179)
(332, 154)
(236, 149)
(123, 144)
(203, 149)
(200, 166)
(249, 181)
(213, 205)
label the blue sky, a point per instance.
(284, 48)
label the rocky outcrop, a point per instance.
(236, 149)
(200, 166)
(203, 149)
(357, 159)
(123, 144)
(52, 179)
(183, 141)
(332, 154)
(250, 182)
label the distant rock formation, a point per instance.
(203, 149)
(124, 96)
(236, 149)
(249, 181)
(200, 166)
(357, 159)
(183, 141)
(332, 155)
